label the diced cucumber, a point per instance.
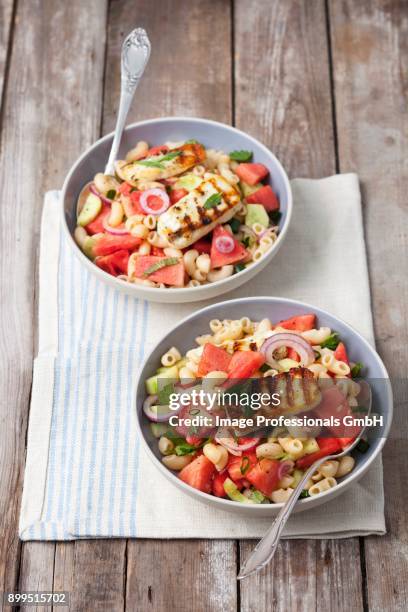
(181, 363)
(256, 213)
(151, 385)
(89, 244)
(233, 493)
(189, 182)
(310, 446)
(297, 475)
(90, 210)
(257, 497)
(159, 380)
(248, 189)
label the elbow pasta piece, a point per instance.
(227, 173)
(189, 259)
(186, 375)
(264, 326)
(317, 368)
(265, 243)
(105, 183)
(346, 464)
(293, 446)
(195, 354)
(339, 367)
(257, 254)
(269, 450)
(116, 215)
(203, 263)
(144, 184)
(316, 336)
(170, 358)
(193, 283)
(138, 152)
(258, 229)
(140, 231)
(191, 365)
(247, 325)
(144, 248)
(329, 468)
(150, 222)
(156, 240)
(281, 495)
(217, 454)
(198, 275)
(216, 325)
(270, 372)
(286, 481)
(174, 462)
(323, 485)
(166, 446)
(133, 221)
(220, 274)
(80, 235)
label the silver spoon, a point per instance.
(135, 55)
(266, 548)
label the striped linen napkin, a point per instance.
(86, 475)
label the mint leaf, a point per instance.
(356, 369)
(241, 156)
(213, 200)
(158, 163)
(332, 341)
(111, 194)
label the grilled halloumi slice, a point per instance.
(190, 219)
(298, 392)
(161, 166)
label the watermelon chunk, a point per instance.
(327, 446)
(202, 246)
(218, 484)
(108, 244)
(199, 474)
(341, 354)
(115, 263)
(131, 204)
(264, 476)
(169, 275)
(244, 364)
(213, 358)
(265, 196)
(300, 323)
(238, 467)
(96, 226)
(222, 259)
(252, 173)
(177, 194)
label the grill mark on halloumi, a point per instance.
(191, 155)
(188, 220)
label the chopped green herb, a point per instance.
(186, 449)
(158, 163)
(192, 141)
(194, 412)
(332, 341)
(213, 200)
(241, 156)
(359, 410)
(163, 395)
(245, 464)
(246, 241)
(363, 446)
(235, 224)
(163, 263)
(304, 494)
(111, 194)
(275, 216)
(356, 369)
(239, 267)
(264, 368)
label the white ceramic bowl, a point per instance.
(156, 131)
(182, 336)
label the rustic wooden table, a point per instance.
(324, 84)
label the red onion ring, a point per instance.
(285, 467)
(232, 445)
(159, 193)
(224, 244)
(288, 339)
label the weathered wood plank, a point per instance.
(282, 94)
(36, 570)
(6, 11)
(370, 51)
(50, 114)
(181, 575)
(282, 82)
(187, 75)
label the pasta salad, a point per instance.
(178, 215)
(214, 450)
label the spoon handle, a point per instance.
(266, 548)
(135, 55)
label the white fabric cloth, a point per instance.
(86, 475)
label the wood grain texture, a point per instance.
(36, 569)
(181, 79)
(282, 82)
(282, 94)
(370, 51)
(47, 99)
(6, 12)
(182, 575)
(189, 71)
